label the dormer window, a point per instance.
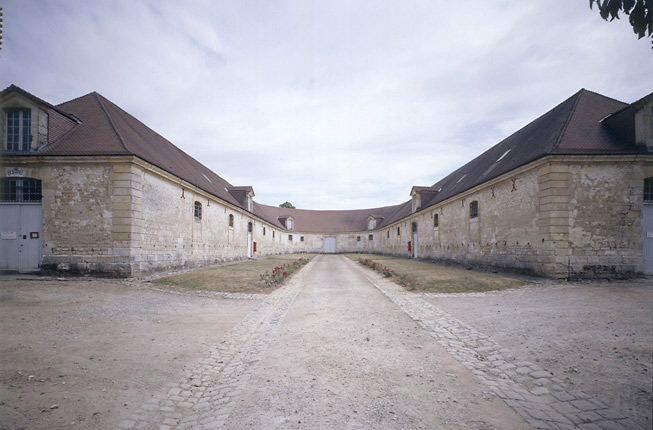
(417, 202)
(248, 203)
(371, 223)
(289, 223)
(18, 136)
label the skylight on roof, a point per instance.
(462, 177)
(504, 154)
(207, 178)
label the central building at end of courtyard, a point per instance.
(86, 188)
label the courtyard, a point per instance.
(337, 346)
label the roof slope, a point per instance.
(106, 129)
(334, 221)
(572, 127)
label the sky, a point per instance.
(326, 104)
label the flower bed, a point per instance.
(281, 273)
(388, 272)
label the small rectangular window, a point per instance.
(648, 190)
(290, 237)
(198, 211)
(263, 231)
(301, 238)
(436, 220)
(398, 231)
(231, 220)
(358, 238)
(272, 234)
(388, 234)
(370, 237)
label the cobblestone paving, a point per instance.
(206, 395)
(543, 400)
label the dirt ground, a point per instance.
(596, 336)
(85, 353)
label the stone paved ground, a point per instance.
(342, 347)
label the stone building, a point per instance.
(87, 188)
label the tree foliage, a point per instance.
(287, 205)
(640, 13)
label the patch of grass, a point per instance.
(244, 277)
(430, 277)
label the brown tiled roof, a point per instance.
(335, 221)
(572, 127)
(106, 129)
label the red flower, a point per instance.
(285, 273)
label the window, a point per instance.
(249, 227)
(263, 231)
(301, 238)
(358, 238)
(371, 223)
(198, 211)
(18, 126)
(436, 220)
(473, 209)
(272, 234)
(388, 234)
(290, 237)
(289, 224)
(414, 227)
(231, 220)
(648, 190)
(370, 237)
(398, 231)
(20, 190)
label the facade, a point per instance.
(86, 188)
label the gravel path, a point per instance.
(338, 347)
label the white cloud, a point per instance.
(329, 105)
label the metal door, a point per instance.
(330, 245)
(647, 238)
(20, 241)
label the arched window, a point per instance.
(473, 209)
(231, 220)
(198, 211)
(436, 220)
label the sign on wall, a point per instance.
(16, 172)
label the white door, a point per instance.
(647, 238)
(20, 240)
(330, 245)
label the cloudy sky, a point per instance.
(327, 104)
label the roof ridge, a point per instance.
(113, 125)
(567, 121)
